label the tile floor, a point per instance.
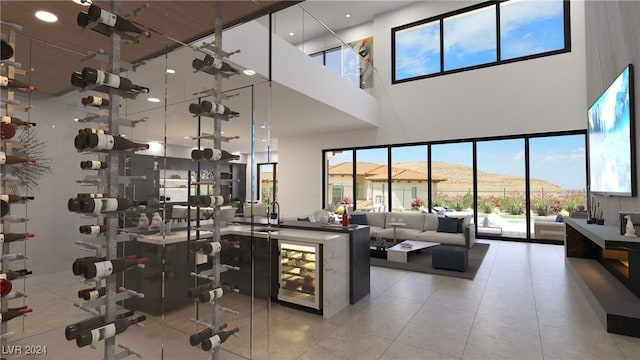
(523, 304)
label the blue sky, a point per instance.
(559, 159)
(527, 27)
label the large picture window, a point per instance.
(485, 34)
(515, 187)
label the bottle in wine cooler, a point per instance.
(96, 335)
(91, 195)
(9, 83)
(194, 292)
(197, 338)
(213, 247)
(218, 64)
(214, 294)
(217, 339)
(105, 268)
(93, 293)
(94, 165)
(11, 237)
(11, 160)
(12, 313)
(72, 331)
(16, 121)
(115, 21)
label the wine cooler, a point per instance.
(300, 273)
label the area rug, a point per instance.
(421, 262)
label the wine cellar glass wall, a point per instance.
(144, 208)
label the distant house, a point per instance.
(371, 184)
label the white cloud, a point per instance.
(514, 14)
(519, 155)
(415, 48)
(471, 32)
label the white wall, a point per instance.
(540, 95)
(612, 42)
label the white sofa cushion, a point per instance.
(376, 219)
(401, 234)
(430, 222)
(441, 237)
(412, 220)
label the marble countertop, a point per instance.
(312, 236)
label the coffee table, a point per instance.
(399, 253)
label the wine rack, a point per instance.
(299, 276)
(9, 257)
(211, 275)
(112, 181)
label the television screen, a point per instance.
(610, 139)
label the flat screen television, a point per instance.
(611, 133)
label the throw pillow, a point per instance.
(447, 225)
(360, 219)
(459, 225)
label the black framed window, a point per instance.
(512, 185)
(486, 34)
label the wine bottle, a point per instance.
(111, 142)
(214, 294)
(115, 21)
(6, 82)
(93, 165)
(96, 101)
(79, 264)
(11, 237)
(92, 195)
(213, 155)
(197, 338)
(5, 287)
(98, 77)
(7, 131)
(12, 198)
(14, 219)
(87, 131)
(97, 206)
(209, 107)
(217, 339)
(206, 200)
(92, 229)
(105, 268)
(194, 292)
(16, 121)
(219, 64)
(92, 337)
(72, 331)
(83, 21)
(93, 293)
(213, 63)
(6, 50)
(212, 247)
(77, 80)
(15, 274)
(14, 312)
(10, 159)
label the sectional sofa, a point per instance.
(458, 231)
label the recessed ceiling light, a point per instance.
(123, 135)
(153, 100)
(221, 132)
(347, 15)
(83, 2)
(76, 119)
(46, 16)
(249, 72)
(291, 34)
(187, 137)
(171, 71)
